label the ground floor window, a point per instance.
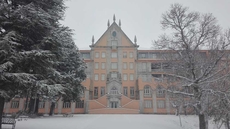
(102, 91)
(15, 104)
(66, 104)
(132, 91)
(160, 104)
(148, 104)
(80, 104)
(41, 104)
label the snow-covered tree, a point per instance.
(199, 52)
(29, 50)
(69, 66)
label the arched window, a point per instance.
(147, 91)
(160, 92)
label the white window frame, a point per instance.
(113, 65)
(124, 65)
(114, 55)
(96, 65)
(103, 55)
(15, 104)
(96, 77)
(148, 103)
(131, 65)
(144, 66)
(95, 91)
(102, 77)
(102, 91)
(103, 65)
(160, 104)
(113, 75)
(96, 54)
(125, 77)
(132, 91)
(66, 105)
(125, 91)
(147, 90)
(131, 77)
(41, 104)
(130, 54)
(124, 54)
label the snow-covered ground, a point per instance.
(82, 121)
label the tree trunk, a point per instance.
(185, 111)
(52, 108)
(227, 122)
(202, 121)
(36, 106)
(26, 105)
(31, 105)
(2, 102)
(33, 108)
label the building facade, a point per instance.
(120, 79)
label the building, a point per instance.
(120, 79)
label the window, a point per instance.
(66, 104)
(131, 77)
(124, 54)
(160, 104)
(148, 104)
(132, 91)
(125, 77)
(95, 91)
(124, 65)
(103, 54)
(41, 104)
(113, 75)
(114, 54)
(96, 65)
(113, 91)
(97, 55)
(160, 92)
(80, 104)
(142, 55)
(103, 65)
(147, 91)
(102, 91)
(114, 43)
(96, 77)
(125, 91)
(130, 54)
(85, 55)
(102, 77)
(144, 66)
(15, 104)
(131, 65)
(114, 65)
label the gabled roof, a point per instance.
(114, 25)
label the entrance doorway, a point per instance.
(113, 104)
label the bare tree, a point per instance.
(199, 54)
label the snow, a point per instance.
(119, 121)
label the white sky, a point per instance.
(138, 17)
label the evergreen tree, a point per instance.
(30, 56)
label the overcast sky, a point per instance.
(138, 17)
